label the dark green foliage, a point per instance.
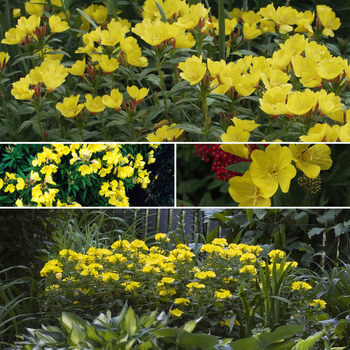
(125, 331)
(23, 235)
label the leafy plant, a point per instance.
(125, 331)
(18, 303)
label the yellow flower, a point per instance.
(28, 25)
(328, 20)
(248, 269)
(20, 89)
(169, 133)
(274, 100)
(70, 107)
(331, 68)
(176, 312)
(300, 103)
(94, 105)
(250, 31)
(114, 100)
(53, 79)
(246, 193)
(137, 94)
(85, 170)
(4, 56)
(10, 188)
(19, 203)
(78, 68)
(57, 25)
(160, 237)
(318, 304)
(223, 294)
(302, 286)
(193, 70)
(107, 64)
(272, 168)
(205, 274)
(13, 36)
(20, 184)
(34, 9)
(311, 160)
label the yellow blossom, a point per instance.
(94, 105)
(136, 93)
(193, 69)
(57, 25)
(70, 107)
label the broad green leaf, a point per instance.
(306, 344)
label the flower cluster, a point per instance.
(221, 159)
(60, 174)
(157, 276)
(272, 168)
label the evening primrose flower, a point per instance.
(94, 105)
(318, 304)
(169, 133)
(302, 286)
(159, 237)
(28, 25)
(70, 107)
(193, 69)
(274, 100)
(57, 25)
(246, 193)
(223, 294)
(136, 93)
(13, 36)
(107, 64)
(331, 68)
(311, 160)
(20, 184)
(85, 170)
(78, 68)
(271, 169)
(20, 89)
(176, 312)
(250, 31)
(301, 102)
(328, 20)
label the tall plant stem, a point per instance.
(161, 84)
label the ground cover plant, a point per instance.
(263, 175)
(108, 71)
(80, 174)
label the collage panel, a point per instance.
(73, 278)
(263, 175)
(188, 116)
(87, 175)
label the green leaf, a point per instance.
(130, 322)
(281, 333)
(245, 344)
(189, 326)
(67, 320)
(315, 231)
(87, 18)
(241, 167)
(77, 335)
(212, 235)
(306, 344)
(161, 11)
(191, 128)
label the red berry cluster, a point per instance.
(221, 159)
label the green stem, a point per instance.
(161, 84)
(221, 30)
